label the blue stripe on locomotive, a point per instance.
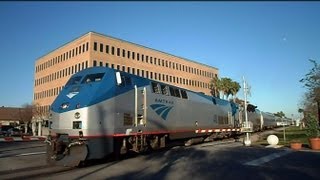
(89, 94)
(93, 93)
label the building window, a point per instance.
(75, 68)
(142, 73)
(128, 69)
(94, 64)
(132, 55)
(112, 50)
(79, 49)
(138, 72)
(107, 49)
(87, 46)
(118, 67)
(138, 56)
(118, 51)
(83, 46)
(123, 68)
(133, 71)
(112, 66)
(101, 64)
(128, 54)
(123, 53)
(107, 64)
(142, 57)
(147, 59)
(101, 47)
(95, 46)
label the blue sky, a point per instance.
(267, 42)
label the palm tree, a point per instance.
(225, 87)
(235, 87)
(214, 85)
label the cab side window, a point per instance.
(155, 87)
(164, 90)
(125, 81)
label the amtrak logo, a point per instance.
(72, 94)
(161, 110)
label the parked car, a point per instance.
(4, 129)
(14, 132)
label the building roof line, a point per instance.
(153, 49)
(118, 39)
(59, 47)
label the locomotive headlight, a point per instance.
(64, 105)
(77, 115)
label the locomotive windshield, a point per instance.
(74, 80)
(93, 78)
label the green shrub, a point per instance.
(312, 126)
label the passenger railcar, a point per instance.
(101, 112)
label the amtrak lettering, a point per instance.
(163, 101)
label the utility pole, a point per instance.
(247, 140)
(284, 130)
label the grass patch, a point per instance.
(292, 133)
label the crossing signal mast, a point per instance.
(247, 126)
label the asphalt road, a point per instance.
(205, 161)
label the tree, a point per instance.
(234, 89)
(214, 84)
(280, 114)
(26, 113)
(224, 87)
(312, 82)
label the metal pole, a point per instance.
(247, 140)
(145, 106)
(135, 105)
(284, 131)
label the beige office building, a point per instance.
(93, 49)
